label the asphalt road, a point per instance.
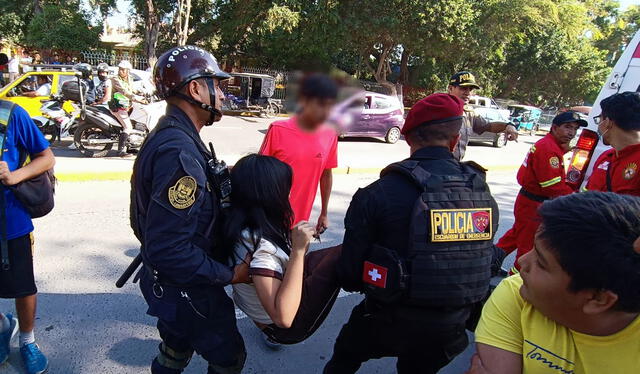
(234, 137)
(86, 325)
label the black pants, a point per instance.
(203, 322)
(423, 345)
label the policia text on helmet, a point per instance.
(191, 74)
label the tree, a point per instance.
(181, 21)
(71, 30)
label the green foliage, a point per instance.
(59, 27)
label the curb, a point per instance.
(126, 175)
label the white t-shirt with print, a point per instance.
(267, 260)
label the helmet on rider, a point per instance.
(124, 64)
(103, 71)
(179, 66)
(85, 69)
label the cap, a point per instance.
(463, 79)
(436, 108)
(569, 116)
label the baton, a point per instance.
(124, 278)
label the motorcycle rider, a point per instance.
(123, 94)
(176, 215)
(87, 78)
(104, 89)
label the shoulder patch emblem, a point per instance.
(183, 194)
(630, 171)
(554, 162)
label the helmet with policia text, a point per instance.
(179, 66)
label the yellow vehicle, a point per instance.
(22, 90)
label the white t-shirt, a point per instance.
(13, 66)
(267, 260)
(44, 90)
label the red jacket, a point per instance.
(622, 168)
(542, 172)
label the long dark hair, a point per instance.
(259, 203)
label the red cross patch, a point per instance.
(374, 274)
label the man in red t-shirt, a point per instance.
(542, 177)
(309, 146)
(616, 170)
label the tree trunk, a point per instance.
(404, 68)
(380, 73)
(37, 7)
(181, 21)
(151, 30)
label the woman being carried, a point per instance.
(291, 293)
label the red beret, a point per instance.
(439, 107)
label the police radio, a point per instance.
(221, 177)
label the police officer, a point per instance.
(616, 170)
(175, 214)
(462, 85)
(542, 177)
(418, 244)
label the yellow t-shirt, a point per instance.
(510, 323)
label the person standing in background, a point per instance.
(310, 147)
(19, 134)
(13, 67)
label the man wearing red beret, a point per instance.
(418, 244)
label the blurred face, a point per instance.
(546, 285)
(565, 132)
(463, 93)
(315, 111)
(103, 75)
(123, 73)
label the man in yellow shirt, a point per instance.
(574, 306)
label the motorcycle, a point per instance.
(55, 122)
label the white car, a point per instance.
(624, 77)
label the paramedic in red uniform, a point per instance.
(616, 170)
(542, 177)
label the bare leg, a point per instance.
(26, 307)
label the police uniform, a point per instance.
(423, 337)
(617, 171)
(542, 177)
(176, 215)
(471, 123)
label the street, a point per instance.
(86, 325)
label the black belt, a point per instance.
(532, 196)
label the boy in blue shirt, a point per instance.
(19, 137)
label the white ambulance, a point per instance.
(625, 77)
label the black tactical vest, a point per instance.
(448, 262)
(206, 236)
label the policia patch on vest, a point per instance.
(183, 194)
(457, 225)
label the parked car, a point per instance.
(492, 115)
(487, 102)
(624, 77)
(382, 116)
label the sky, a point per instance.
(119, 18)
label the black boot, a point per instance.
(122, 143)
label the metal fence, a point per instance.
(112, 58)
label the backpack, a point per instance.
(448, 261)
(37, 193)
